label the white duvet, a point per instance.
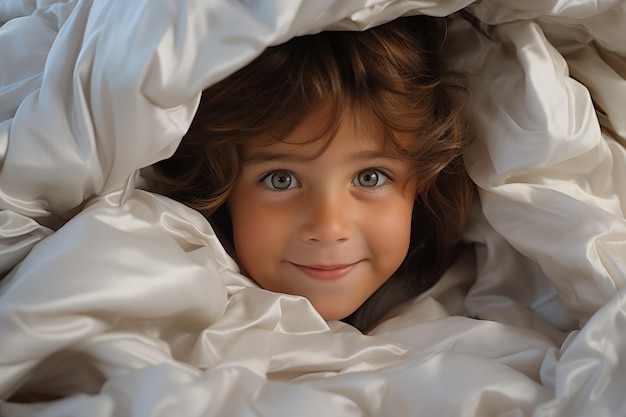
(119, 302)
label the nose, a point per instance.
(326, 219)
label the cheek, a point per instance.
(390, 234)
(259, 236)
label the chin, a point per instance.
(334, 313)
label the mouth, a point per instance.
(326, 272)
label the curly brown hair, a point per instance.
(393, 72)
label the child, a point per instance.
(331, 165)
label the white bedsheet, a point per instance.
(119, 302)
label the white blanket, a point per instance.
(119, 302)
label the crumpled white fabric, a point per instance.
(119, 302)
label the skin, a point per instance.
(333, 228)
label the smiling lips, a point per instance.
(326, 273)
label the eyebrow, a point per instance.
(264, 157)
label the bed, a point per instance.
(117, 301)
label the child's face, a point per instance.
(332, 229)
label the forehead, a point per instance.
(360, 130)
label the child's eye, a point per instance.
(370, 178)
(280, 180)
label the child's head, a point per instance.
(332, 163)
